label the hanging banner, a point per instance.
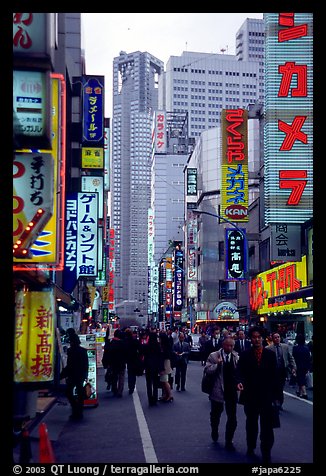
(34, 336)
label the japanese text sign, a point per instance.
(34, 346)
(288, 129)
(234, 193)
(93, 109)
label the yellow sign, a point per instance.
(278, 281)
(234, 191)
(105, 294)
(92, 158)
(34, 336)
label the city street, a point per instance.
(127, 430)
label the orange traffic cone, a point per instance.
(46, 452)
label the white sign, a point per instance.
(226, 311)
(87, 230)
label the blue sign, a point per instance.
(93, 110)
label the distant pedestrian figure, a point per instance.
(202, 346)
(165, 368)
(152, 360)
(181, 352)
(75, 372)
(302, 359)
(115, 358)
(132, 349)
(257, 382)
(213, 344)
(285, 364)
(241, 342)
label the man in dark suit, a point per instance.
(285, 364)
(213, 344)
(75, 372)
(181, 351)
(257, 382)
(241, 342)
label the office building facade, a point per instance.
(135, 98)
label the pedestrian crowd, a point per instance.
(247, 369)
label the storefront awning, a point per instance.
(302, 293)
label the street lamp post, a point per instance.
(246, 274)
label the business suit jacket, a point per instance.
(289, 362)
(213, 367)
(237, 347)
(259, 381)
(185, 348)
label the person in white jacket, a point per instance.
(223, 363)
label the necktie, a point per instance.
(215, 345)
(242, 346)
(181, 346)
(227, 358)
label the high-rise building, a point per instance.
(135, 97)
(250, 46)
(202, 84)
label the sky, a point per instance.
(163, 35)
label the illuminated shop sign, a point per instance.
(111, 268)
(178, 280)
(235, 253)
(93, 109)
(160, 132)
(288, 130)
(92, 158)
(81, 233)
(234, 193)
(33, 35)
(191, 181)
(285, 242)
(48, 247)
(32, 108)
(35, 321)
(92, 183)
(279, 281)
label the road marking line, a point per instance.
(298, 398)
(148, 447)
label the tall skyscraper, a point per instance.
(135, 97)
(250, 46)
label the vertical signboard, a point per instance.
(235, 254)
(191, 181)
(288, 129)
(48, 248)
(234, 193)
(87, 230)
(93, 109)
(111, 269)
(107, 165)
(81, 235)
(178, 280)
(160, 132)
(35, 316)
